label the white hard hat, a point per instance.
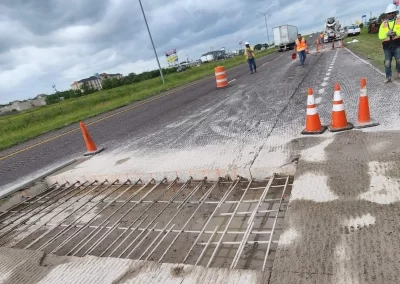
(246, 43)
(391, 8)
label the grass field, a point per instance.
(368, 47)
(21, 127)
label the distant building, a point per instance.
(38, 101)
(95, 82)
(104, 76)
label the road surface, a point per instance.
(341, 225)
(114, 130)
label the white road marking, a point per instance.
(328, 74)
(326, 78)
(366, 62)
(321, 91)
(231, 81)
(271, 61)
(324, 84)
(318, 100)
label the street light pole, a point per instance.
(151, 39)
(266, 24)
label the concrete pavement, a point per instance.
(232, 124)
(341, 226)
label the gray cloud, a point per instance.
(58, 41)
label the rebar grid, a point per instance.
(232, 224)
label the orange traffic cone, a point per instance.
(90, 145)
(339, 120)
(313, 123)
(341, 43)
(364, 118)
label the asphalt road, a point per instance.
(39, 154)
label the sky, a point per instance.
(56, 42)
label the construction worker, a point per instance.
(321, 39)
(389, 33)
(300, 49)
(250, 56)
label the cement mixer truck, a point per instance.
(332, 30)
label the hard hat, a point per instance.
(246, 43)
(391, 8)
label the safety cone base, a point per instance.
(322, 130)
(347, 127)
(94, 152)
(371, 123)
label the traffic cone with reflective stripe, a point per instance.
(313, 123)
(364, 118)
(339, 120)
(90, 145)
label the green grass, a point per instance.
(17, 128)
(368, 47)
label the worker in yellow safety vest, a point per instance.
(300, 49)
(389, 33)
(250, 56)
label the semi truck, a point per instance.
(285, 37)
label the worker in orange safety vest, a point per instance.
(300, 48)
(321, 39)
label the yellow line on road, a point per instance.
(104, 118)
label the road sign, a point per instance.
(364, 16)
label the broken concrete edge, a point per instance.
(19, 187)
(94, 152)
(183, 175)
(48, 268)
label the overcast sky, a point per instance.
(46, 42)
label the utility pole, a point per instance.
(152, 43)
(266, 24)
(54, 87)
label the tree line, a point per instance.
(107, 84)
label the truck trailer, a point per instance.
(285, 37)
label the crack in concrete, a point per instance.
(278, 117)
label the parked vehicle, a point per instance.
(353, 30)
(285, 37)
(181, 68)
(208, 57)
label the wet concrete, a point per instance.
(352, 239)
